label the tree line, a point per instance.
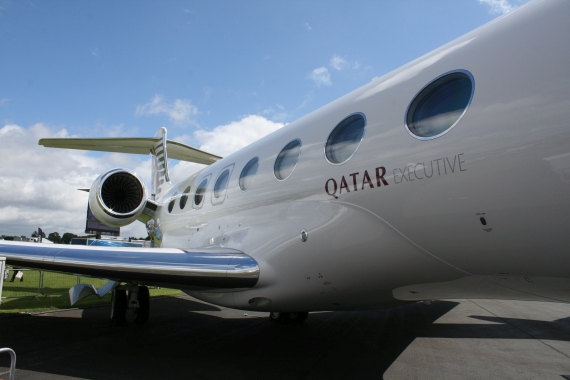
(56, 238)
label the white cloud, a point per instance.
(179, 112)
(321, 76)
(498, 6)
(337, 62)
(306, 100)
(309, 28)
(223, 140)
(38, 186)
(340, 63)
(4, 101)
(231, 137)
(119, 131)
(278, 114)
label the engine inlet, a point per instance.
(121, 193)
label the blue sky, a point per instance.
(199, 68)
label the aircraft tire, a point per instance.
(143, 311)
(119, 307)
(298, 317)
(277, 316)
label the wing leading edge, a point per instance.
(202, 269)
(134, 145)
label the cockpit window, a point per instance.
(287, 160)
(440, 105)
(345, 139)
(248, 174)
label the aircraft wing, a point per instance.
(135, 145)
(206, 268)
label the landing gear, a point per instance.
(298, 317)
(143, 311)
(294, 317)
(276, 316)
(119, 307)
(138, 300)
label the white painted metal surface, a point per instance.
(507, 160)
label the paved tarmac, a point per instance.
(461, 339)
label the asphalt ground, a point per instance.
(187, 339)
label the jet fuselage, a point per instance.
(480, 211)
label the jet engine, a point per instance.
(118, 197)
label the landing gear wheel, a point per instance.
(276, 316)
(119, 307)
(142, 313)
(298, 317)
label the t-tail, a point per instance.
(119, 196)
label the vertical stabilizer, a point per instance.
(160, 177)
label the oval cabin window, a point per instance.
(184, 198)
(287, 160)
(345, 139)
(221, 183)
(248, 174)
(440, 105)
(199, 196)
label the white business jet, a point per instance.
(446, 178)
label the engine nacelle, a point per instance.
(118, 197)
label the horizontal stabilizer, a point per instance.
(134, 145)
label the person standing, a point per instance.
(17, 274)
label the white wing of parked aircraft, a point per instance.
(448, 177)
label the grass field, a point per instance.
(49, 291)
